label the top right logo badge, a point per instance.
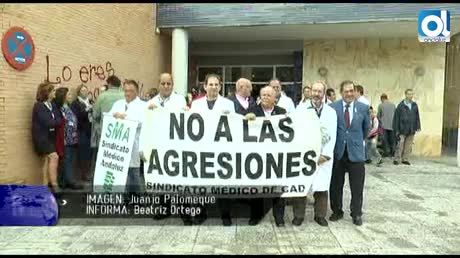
(434, 26)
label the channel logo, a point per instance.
(434, 26)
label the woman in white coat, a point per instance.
(322, 180)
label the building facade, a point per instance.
(375, 45)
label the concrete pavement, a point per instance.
(407, 210)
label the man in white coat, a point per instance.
(282, 100)
(212, 101)
(132, 108)
(322, 180)
(167, 98)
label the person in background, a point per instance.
(44, 124)
(385, 114)
(406, 122)
(330, 96)
(359, 95)
(82, 107)
(62, 100)
(373, 137)
(267, 108)
(152, 92)
(306, 94)
(282, 100)
(132, 108)
(103, 105)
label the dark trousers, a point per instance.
(389, 143)
(225, 207)
(278, 208)
(320, 204)
(356, 173)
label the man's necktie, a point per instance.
(126, 107)
(347, 116)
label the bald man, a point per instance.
(242, 98)
(166, 97)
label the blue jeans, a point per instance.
(134, 182)
(67, 165)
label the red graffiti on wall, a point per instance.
(88, 73)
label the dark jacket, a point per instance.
(84, 126)
(44, 129)
(259, 111)
(240, 109)
(406, 121)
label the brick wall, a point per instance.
(84, 43)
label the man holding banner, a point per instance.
(166, 99)
(267, 108)
(132, 108)
(216, 103)
(321, 183)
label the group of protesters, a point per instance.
(67, 128)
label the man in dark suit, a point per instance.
(242, 97)
(267, 108)
(243, 102)
(349, 153)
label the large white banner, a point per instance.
(226, 154)
(114, 154)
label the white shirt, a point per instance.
(135, 111)
(350, 109)
(222, 105)
(363, 100)
(286, 103)
(268, 113)
(174, 101)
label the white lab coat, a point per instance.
(135, 111)
(175, 102)
(286, 103)
(328, 120)
(222, 104)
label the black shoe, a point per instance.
(321, 221)
(395, 162)
(279, 222)
(226, 222)
(358, 221)
(199, 220)
(187, 222)
(336, 216)
(254, 221)
(297, 221)
(406, 162)
(369, 161)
